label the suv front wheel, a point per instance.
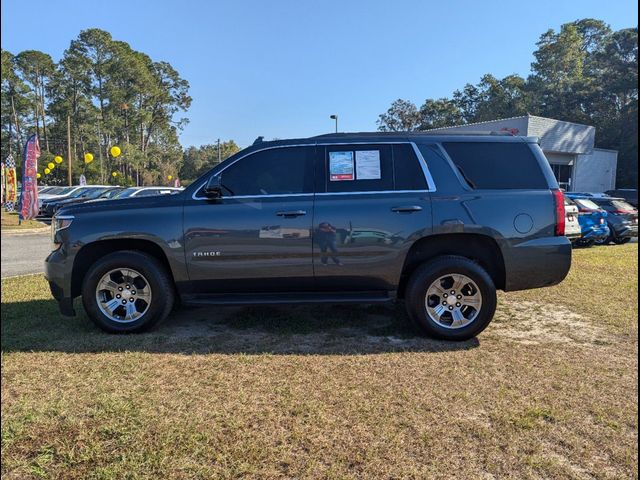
(451, 298)
(127, 291)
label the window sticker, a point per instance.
(341, 166)
(368, 165)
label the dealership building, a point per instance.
(569, 147)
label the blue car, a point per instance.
(593, 221)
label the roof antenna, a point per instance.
(258, 140)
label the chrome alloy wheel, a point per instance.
(123, 295)
(453, 301)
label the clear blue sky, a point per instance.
(280, 68)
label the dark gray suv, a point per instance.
(438, 221)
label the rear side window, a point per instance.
(497, 165)
(407, 170)
(359, 168)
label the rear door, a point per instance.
(373, 201)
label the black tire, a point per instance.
(621, 240)
(428, 273)
(159, 280)
(585, 243)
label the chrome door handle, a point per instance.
(407, 209)
(292, 213)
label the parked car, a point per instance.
(51, 206)
(573, 230)
(593, 221)
(630, 195)
(143, 192)
(465, 216)
(65, 192)
(622, 219)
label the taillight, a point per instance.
(560, 219)
(602, 221)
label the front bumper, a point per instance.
(59, 278)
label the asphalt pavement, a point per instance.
(23, 254)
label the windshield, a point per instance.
(127, 192)
(66, 190)
(93, 193)
(111, 193)
(79, 192)
(588, 204)
(59, 190)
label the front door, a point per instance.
(257, 238)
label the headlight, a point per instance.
(60, 223)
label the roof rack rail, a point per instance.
(421, 133)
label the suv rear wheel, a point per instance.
(127, 291)
(451, 298)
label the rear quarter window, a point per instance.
(497, 165)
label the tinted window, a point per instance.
(78, 193)
(277, 171)
(358, 168)
(94, 193)
(614, 205)
(127, 192)
(407, 170)
(147, 193)
(110, 193)
(497, 165)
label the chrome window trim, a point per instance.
(423, 164)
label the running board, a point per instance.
(285, 298)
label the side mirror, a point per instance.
(213, 187)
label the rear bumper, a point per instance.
(596, 233)
(537, 263)
(627, 231)
(55, 271)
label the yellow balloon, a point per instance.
(115, 151)
(170, 177)
(114, 174)
(50, 165)
(47, 171)
(38, 175)
(58, 159)
(88, 158)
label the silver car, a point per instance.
(572, 229)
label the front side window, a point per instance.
(277, 171)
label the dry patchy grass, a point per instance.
(11, 221)
(548, 391)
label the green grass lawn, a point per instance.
(549, 390)
(11, 221)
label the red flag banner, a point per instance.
(29, 195)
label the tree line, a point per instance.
(112, 95)
(585, 73)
